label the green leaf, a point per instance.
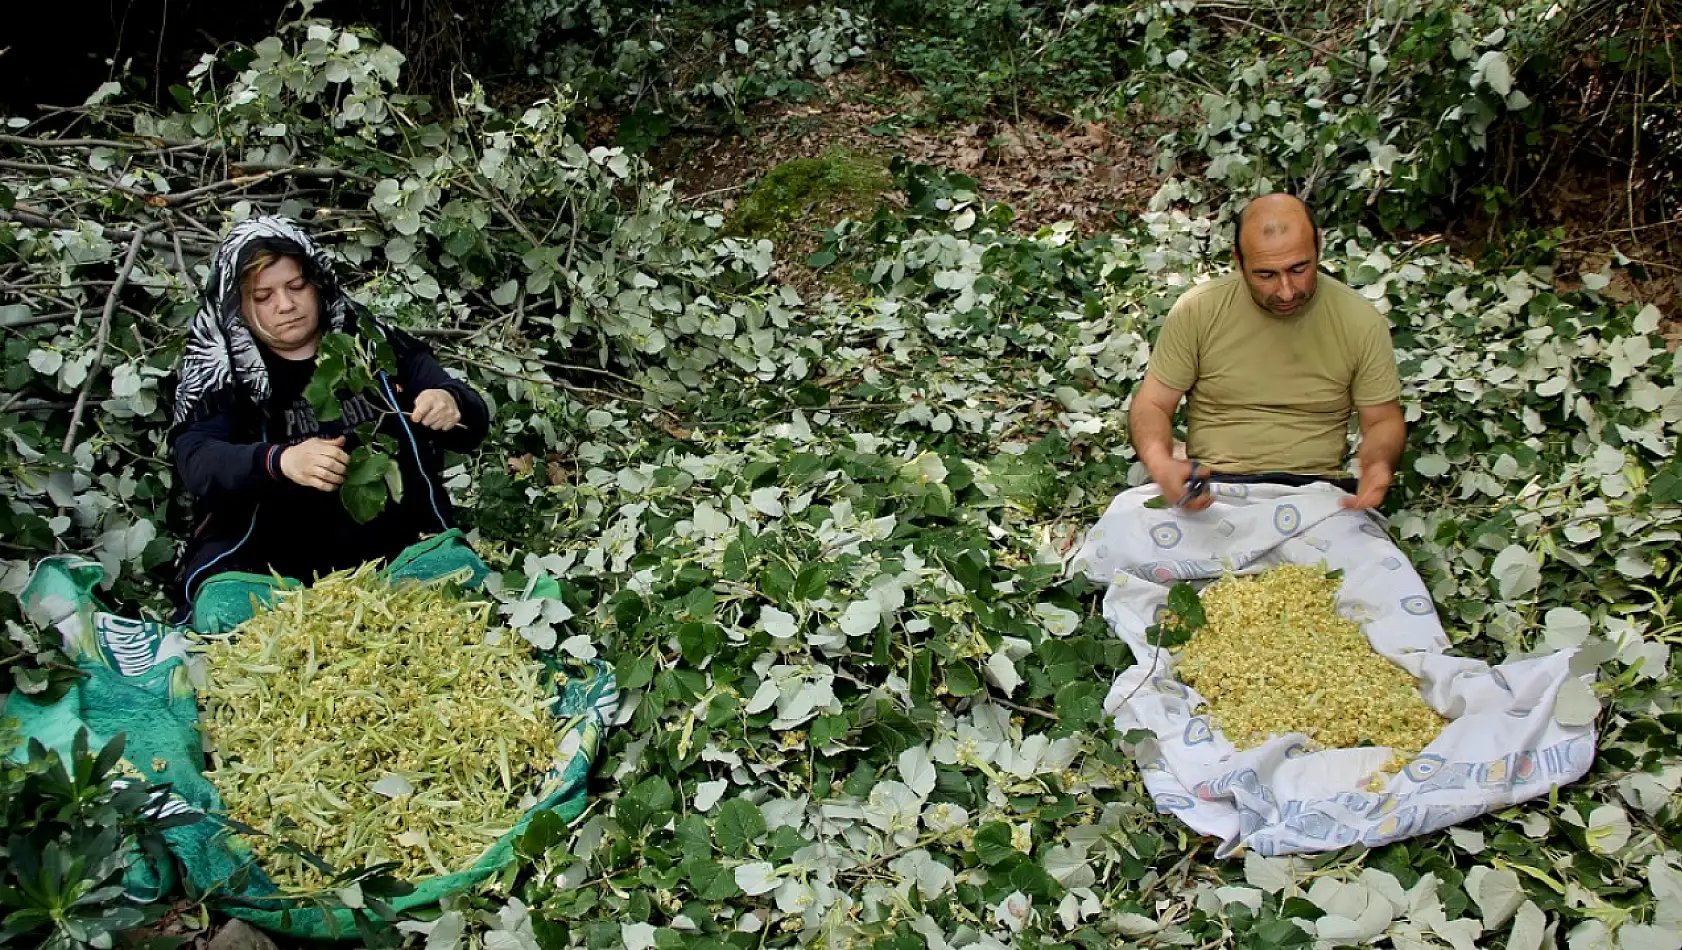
(638, 806)
(712, 881)
(1080, 703)
(892, 732)
(367, 483)
(364, 502)
(961, 679)
(1167, 637)
(777, 581)
(1029, 878)
(694, 837)
(367, 465)
(1666, 487)
(322, 394)
(634, 673)
(812, 581)
(993, 844)
(739, 822)
(827, 729)
(698, 640)
(1183, 600)
(543, 832)
(735, 565)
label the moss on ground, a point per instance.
(804, 197)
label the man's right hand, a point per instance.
(1171, 476)
(316, 463)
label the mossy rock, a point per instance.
(808, 195)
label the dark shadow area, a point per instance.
(67, 49)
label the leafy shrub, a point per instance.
(668, 59)
(1415, 116)
(1612, 71)
(1394, 126)
(72, 830)
(31, 662)
(979, 57)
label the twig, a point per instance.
(525, 232)
(877, 862)
(42, 169)
(211, 237)
(719, 191)
(1583, 239)
(562, 384)
(440, 332)
(180, 259)
(36, 320)
(34, 405)
(29, 142)
(306, 171)
(264, 173)
(1027, 710)
(103, 336)
(567, 367)
(42, 221)
(37, 167)
(1240, 21)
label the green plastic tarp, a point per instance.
(137, 683)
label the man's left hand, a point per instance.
(1369, 494)
(436, 409)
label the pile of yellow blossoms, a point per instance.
(366, 723)
(1275, 657)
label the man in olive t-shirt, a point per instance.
(1275, 359)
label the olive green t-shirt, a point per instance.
(1268, 393)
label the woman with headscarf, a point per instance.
(264, 472)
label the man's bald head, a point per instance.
(1278, 252)
(1271, 217)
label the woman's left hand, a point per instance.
(436, 409)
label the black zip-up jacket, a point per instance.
(250, 517)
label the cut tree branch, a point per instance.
(103, 336)
(42, 221)
(30, 142)
(36, 320)
(263, 173)
(1249, 24)
(561, 384)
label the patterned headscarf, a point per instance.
(221, 353)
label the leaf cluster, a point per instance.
(73, 827)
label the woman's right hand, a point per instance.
(316, 463)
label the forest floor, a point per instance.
(1096, 175)
(1046, 171)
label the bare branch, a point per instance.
(241, 182)
(103, 337)
(42, 221)
(36, 320)
(31, 142)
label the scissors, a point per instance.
(1197, 483)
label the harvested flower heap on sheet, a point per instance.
(1275, 657)
(379, 722)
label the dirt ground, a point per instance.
(1045, 173)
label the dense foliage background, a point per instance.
(813, 495)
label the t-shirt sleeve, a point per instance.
(1174, 357)
(1376, 381)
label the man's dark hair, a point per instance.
(1238, 232)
